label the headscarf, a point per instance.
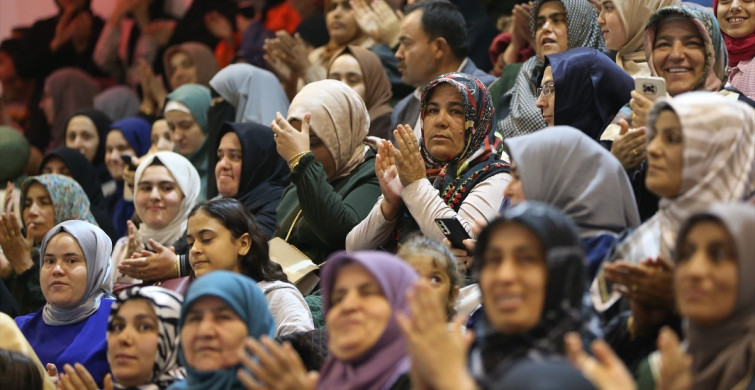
(633, 16)
(69, 200)
(117, 102)
(716, 58)
(264, 174)
(197, 99)
(590, 89)
(201, 55)
(739, 49)
(360, 38)
(96, 247)
(83, 172)
(478, 117)
(377, 86)
(387, 359)
(723, 354)
(187, 178)
(338, 117)
(563, 290)
(518, 104)
(240, 85)
(101, 124)
(71, 89)
(243, 295)
(137, 131)
(17, 148)
(167, 307)
(563, 167)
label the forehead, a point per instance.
(677, 27)
(411, 25)
(157, 173)
(512, 235)
(136, 306)
(173, 116)
(209, 303)
(230, 140)
(55, 161)
(81, 123)
(346, 63)
(179, 57)
(444, 92)
(548, 74)
(63, 243)
(550, 7)
(36, 189)
(351, 275)
(115, 137)
(201, 220)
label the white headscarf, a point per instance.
(187, 178)
(240, 85)
(96, 247)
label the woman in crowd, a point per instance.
(71, 163)
(223, 235)
(222, 308)
(529, 263)
(66, 91)
(566, 169)
(583, 88)
(333, 183)
(450, 174)
(167, 187)
(248, 169)
(75, 279)
(86, 131)
(364, 354)
(46, 200)
(361, 70)
(556, 26)
(739, 36)
(186, 113)
(129, 136)
(622, 24)
(240, 84)
(142, 342)
(161, 139)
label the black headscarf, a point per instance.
(102, 123)
(563, 292)
(84, 173)
(264, 174)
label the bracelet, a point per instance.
(178, 271)
(295, 160)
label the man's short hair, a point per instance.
(441, 19)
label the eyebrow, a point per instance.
(158, 182)
(551, 15)
(670, 38)
(64, 254)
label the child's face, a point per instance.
(212, 246)
(434, 273)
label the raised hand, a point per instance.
(16, 247)
(77, 377)
(676, 372)
(378, 20)
(606, 371)
(640, 106)
(409, 161)
(390, 185)
(289, 141)
(278, 367)
(150, 266)
(218, 25)
(629, 147)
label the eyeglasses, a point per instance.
(546, 89)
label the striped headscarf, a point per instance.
(69, 200)
(167, 307)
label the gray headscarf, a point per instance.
(240, 85)
(724, 354)
(96, 247)
(117, 102)
(565, 168)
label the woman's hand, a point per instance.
(218, 25)
(390, 185)
(278, 367)
(640, 106)
(439, 356)
(649, 283)
(64, 28)
(629, 147)
(151, 266)
(135, 241)
(409, 161)
(153, 88)
(605, 370)
(290, 50)
(161, 31)
(16, 247)
(289, 141)
(78, 378)
(378, 20)
(676, 372)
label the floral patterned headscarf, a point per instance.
(69, 200)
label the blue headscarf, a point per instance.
(243, 295)
(137, 132)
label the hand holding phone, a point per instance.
(650, 87)
(126, 158)
(454, 231)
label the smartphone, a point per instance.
(454, 231)
(651, 87)
(126, 158)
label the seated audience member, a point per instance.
(433, 42)
(240, 85)
(361, 70)
(167, 187)
(161, 138)
(46, 200)
(451, 173)
(186, 113)
(66, 91)
(529, 264)
(248, 168)
(739, 36)
(75, 280)
(556, 26)
(69, 162)
(333, 183)
(14, 341)
(622, 24)
(117, 102)
(369, 354)
(562, 167)
(222, 308)
(223, 235)
(142, 342)
(86, 131)
(129, 136)
(584, 89)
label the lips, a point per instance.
(547, 41)
(507, 302)
(736, 19)
(122, 358)
(678, 69)
(58, 284)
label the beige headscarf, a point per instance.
(338, 117)
(634, 15)
(12, 339)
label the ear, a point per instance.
(246, 244)
(440, 48)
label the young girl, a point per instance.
(223, 235)
(435, 263)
